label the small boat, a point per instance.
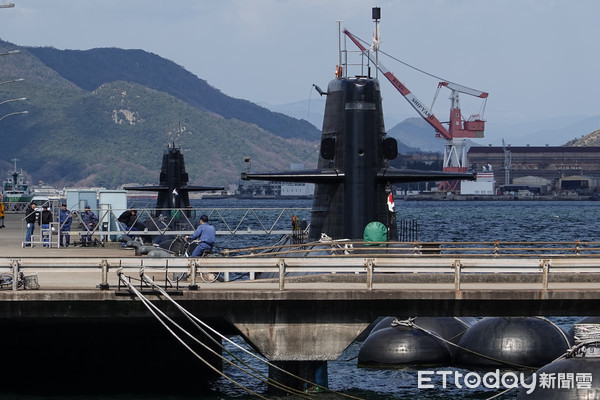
(16, 188)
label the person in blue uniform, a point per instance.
(90, 220)
(205, 233)
(65, 219)
(2, 212)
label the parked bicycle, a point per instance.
(184, 248)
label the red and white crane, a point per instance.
(459, 129)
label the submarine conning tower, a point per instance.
(353, 141)
(173, 189)
(353, 177)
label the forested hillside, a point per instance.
(94, 121)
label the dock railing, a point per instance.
(156, 222)
(344, 264)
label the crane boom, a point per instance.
(417, 104)
(455, 150)
(464, 89)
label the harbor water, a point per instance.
(437, 221)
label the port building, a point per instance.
(551, 168)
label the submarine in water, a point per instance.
(353, 177)
(173, 189)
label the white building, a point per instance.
(485, 184)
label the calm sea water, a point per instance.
(438, 221)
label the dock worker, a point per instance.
(45, 221)
(90, 220)
(129, 220)
(205, 233)
(64, 219)
(30, 220)
(2, 211)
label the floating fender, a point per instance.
(383, 322)
(156, 252)
(124, 238)
(369, 329)
(142, 250)
(396, 345)
(518, 342)
(571, 370)
(133, 244)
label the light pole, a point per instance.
(10, 52)
(13, 113)
(13, 81)
(8, 101)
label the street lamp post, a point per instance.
(8, 101)
(10, 52)
(12, 81)
(13, 113)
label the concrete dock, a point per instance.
(293, 318)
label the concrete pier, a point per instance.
(305, 319)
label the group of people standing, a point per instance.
(204, 234)
(65, 218)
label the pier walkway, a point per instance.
(347, 287)
(560, 275)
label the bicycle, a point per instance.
(184, 248)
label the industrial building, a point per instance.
(542, 169)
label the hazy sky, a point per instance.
(536, 58)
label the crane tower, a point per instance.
(459, 129)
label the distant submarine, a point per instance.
(353, 177)
(173, 189)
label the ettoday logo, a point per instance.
(472, 380)
(506, 380)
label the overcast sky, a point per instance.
(536, 58)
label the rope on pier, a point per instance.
(155, 311)
(197, 322)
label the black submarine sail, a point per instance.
(353, 177)
(173, 189)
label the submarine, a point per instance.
(353, 177)
(173, 189)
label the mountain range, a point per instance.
(103, 117)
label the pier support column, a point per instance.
(308, 376)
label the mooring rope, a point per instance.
(195, 321)
(150, 308)
(261, 377)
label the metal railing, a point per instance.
(345, 266)
(227, 221)
(491, 249)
